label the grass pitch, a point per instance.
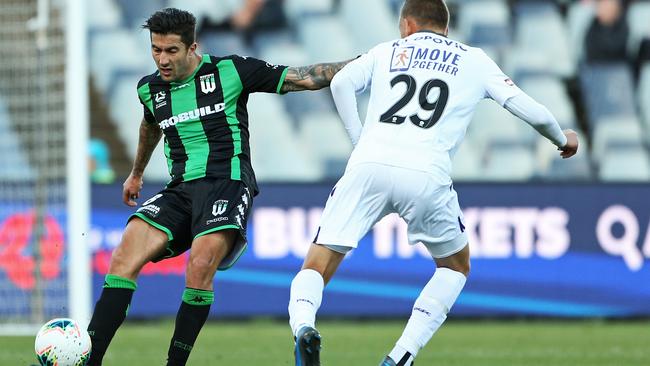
(458, 343)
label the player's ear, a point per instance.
(411, 26)
(192, 48)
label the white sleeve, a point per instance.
(498, 85)
(538, 116)
(354, 78)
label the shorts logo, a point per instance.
(208, 83)
(151, 210)
(150, 200)
(219, 207)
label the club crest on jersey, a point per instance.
(208, 83)
(160, 96)
(219, 207)
(401, 59)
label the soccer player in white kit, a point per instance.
(424, 88)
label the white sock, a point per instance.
(305, 299)
(429, 312)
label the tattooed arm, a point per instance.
(311, 77)
(149, 136)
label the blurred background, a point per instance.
(549, 237)
(584, 60)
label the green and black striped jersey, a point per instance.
(204, 118)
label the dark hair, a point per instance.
(173, 21)
(427, 12)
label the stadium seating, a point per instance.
(467, 163)
(551, 92)
(536, 44)
(11, 150)
(625, 163)
(297, 10)
(377, 13)
(136, 12)
(493, 123)
(479, 14)
(224, 43)
(276, 154)
(283, 53)
(128, 117)
(644, 96)
(579, 17)
(216, 11)
(622, 130)
(578, 168)
(508, 161)
(541, 31)
(490, 36)
(105, 61)
(325, 135)
(617, 99)
(103, 14)
(637, 19)
(326, 38)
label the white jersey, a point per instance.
(424, 89)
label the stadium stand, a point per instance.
(625, 163)
(617, 99)
(579, 16)
(540, 44)
(11, 150)
(637, 18)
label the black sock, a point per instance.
(110, 312)
(191, 316)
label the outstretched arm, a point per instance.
(345, 99)
(149, 136)
(312, 77)
(541, 119)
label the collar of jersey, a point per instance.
(205, 58)
(429, 31)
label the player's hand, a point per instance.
(131, 190)
(571, 147)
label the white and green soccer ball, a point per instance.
(62, 342)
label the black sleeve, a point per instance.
(145, 99)
(259, 76)
(148, 116)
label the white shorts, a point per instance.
(368, 192)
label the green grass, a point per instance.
(485, 343)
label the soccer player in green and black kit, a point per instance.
(199, 103)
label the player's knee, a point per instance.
(200, 272)
(201, 264)
(124, 265)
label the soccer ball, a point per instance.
(61, 342)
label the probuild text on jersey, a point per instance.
(444, 59)
(191, 115)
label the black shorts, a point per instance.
(192, 209)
